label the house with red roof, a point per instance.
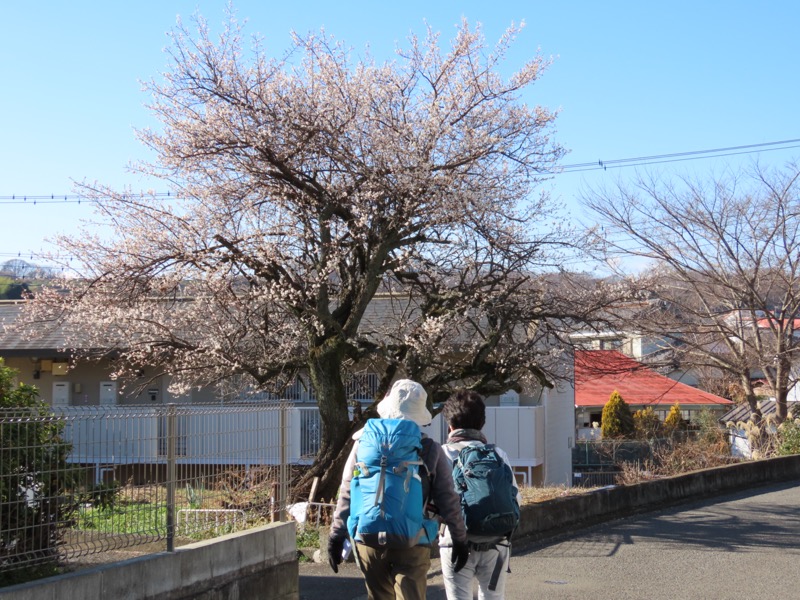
(598, 373)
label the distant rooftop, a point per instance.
(598, 373)
(12, 343)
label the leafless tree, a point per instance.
(17, 268)
(724, 266)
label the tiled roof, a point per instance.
(765, 323)
(599, 372)
(743, 412)
(11, 342)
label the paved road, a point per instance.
(737, 547)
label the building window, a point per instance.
(611, 344)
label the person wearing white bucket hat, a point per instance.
(406, 400)
(401, 573)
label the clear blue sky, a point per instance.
(631, 79)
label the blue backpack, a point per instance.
(486, 486)
(386, 498)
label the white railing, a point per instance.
(250, 434)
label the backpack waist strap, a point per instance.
(501, 558)
(482, 546)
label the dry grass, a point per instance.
(676, 459)
(532, 495)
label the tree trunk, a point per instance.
(325, 370)
(781, 390)
(752, 399)
(329, 472)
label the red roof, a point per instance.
(599, 372)
(765, 324)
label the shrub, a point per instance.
(104, 495)
(646, 424)
(33, 482)
(674, 421)
(762, 436)
(789, 437)
(675, 456)
(308, 537)
(692, 455)
(709, 429)
(617, 420)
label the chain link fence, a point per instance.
(84, 480)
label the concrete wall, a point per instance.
(561, 515)
(257, 563)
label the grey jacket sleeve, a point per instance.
(342, 512)
(443, 491)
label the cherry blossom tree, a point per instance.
(330, 215)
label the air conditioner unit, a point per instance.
(61, 393)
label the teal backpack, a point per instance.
(386, 492)
(486, 486)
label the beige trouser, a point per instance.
(395, 573)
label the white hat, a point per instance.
(406, 400)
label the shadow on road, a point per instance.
(749, 526)
(317, 581)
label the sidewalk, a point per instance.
(317, 581)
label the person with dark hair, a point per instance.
(490, 500)
(396, 569)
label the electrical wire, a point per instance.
(680, 156)
(615, 163)
(32, 200)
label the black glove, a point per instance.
(335, 548)
(460, 555)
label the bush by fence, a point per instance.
(34, 512)
(607, 462)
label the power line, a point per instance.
(615, 163)
(681, 156)
(32, 199)
(30, 255)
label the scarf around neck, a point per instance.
(466, 435)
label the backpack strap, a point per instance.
(498, 568)
(381, 485)
(426, 478)
(498, 565)
(403, 466)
